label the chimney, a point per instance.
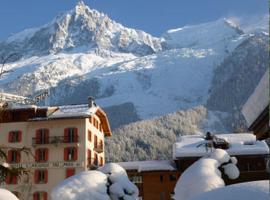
(91, 102)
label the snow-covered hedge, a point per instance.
(109, 182)
(206, 174)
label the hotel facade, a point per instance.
(62, 140)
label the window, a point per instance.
(11, 179)
(89, 136)
(136, 179)
(70, 154)
(95, 141)
(70, 172)
(41, 176)
(172, 177)
(42, 136)
(15, 136)
(89, 156)
(42, 155)
(96, 160)
(161, 178)
(40, 196)
(71, 135)
(14, 156)
(100, 161)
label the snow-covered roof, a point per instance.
(73, 111)
(150, 165)
(239, 144)
(258, 101)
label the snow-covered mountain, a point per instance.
(83, 52)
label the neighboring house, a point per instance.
(250, 153)
(155, 179)
(64, 140)
(256, 109)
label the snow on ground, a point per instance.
(7, 195)
(243, 191)
(239, 144)
(204, 175)
(94, 185)
(85, 185)
(149, 165)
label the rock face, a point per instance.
(136, 76)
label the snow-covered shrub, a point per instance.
(7, 195)
(120, 188)
(206, 174)
(109, 182)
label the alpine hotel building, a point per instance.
(63, 141)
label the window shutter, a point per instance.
(66, 135)
(45, 196)
(20, 136)
(10, 136)
(37, 136)
(70, 172)
(9, 157)
(8, 179)
(14, 179)
(65, 154)
(37, 158)
(46, 154)
(36, 176)
(75, 153)
(18, 158)
(46, 176)
(35, 196)
(47, 136)
(89, 135)
(75, 135)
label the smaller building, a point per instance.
(155, 179)
(250, 153)
(256, 109)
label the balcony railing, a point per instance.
(98, 147)
(55, 140)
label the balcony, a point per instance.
(98, 147)
(55, 140)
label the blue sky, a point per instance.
(153, 16)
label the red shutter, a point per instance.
(95, 141)
(70, 172)
(14, 179)
(66, 135)
(37, 158)
(46, 176)
(36, 176)
(65, 154)
(46, 154)
(35, 196)
(8, 179)
(18, 158)
(10, 136)
(75, 153)
(45, 196)
(37, 136)
(9, 157)
(20, 136)
(75, 135)
(89, 135)
(47, 136)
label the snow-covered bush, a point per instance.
(109, 182)
(120, 188)
(7, 195)
(206, 174)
